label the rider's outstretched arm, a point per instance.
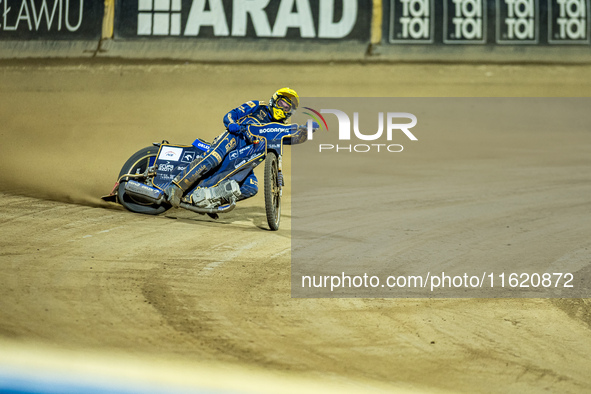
(298, 133)
(263, 129)
(294, 134)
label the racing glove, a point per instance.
(235, 128)
(315, 126)
(242, 131)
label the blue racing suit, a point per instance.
(249, 113)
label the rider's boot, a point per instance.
(198, 167)
(184, 180)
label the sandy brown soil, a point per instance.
(181, 292)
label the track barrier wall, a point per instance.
(299, 30)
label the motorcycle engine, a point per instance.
(212, 197)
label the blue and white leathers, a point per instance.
(252, 113)
(254, 117)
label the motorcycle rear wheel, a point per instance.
(272, 191)
(137, 164)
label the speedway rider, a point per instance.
(237, 135)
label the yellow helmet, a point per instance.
(284, 103)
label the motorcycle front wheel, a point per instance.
(137, 164)
(272, 191)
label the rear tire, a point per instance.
(139, 161)
(137, 164)
(272, 191)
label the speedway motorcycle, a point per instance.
(144, 176)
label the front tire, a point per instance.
(137, 164)
(272, 191)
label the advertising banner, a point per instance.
(51, 19)
(285, 19)
(412, 21)
(487, 22)
(464, 21)
(568, 22)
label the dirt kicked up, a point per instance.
(186, 301)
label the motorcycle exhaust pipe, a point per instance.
(140, 190)
(156, 196)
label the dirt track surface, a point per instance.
(86, 278)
